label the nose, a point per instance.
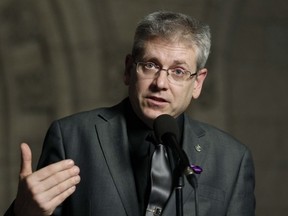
(161, 80)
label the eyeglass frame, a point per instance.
(160, 68)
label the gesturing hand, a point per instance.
(39, 193)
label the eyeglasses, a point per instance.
(174, 75)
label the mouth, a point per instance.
(156, 100)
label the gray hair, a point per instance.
(171, 25)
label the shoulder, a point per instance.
(216, 138)
(89, 117)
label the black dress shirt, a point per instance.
(142, 145)
(141, 150)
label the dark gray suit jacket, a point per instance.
(98, 143)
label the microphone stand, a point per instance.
(179, 196)
(178, 181)
(183, 167)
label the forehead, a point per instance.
(169, 50)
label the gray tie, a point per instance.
(161, 181)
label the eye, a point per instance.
(178, 71)
(150, 65)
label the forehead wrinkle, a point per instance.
(157, 52)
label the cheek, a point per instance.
(138, 87)
(186, 99)
(141, 85)
(183, 97)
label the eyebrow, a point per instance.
(175, 62)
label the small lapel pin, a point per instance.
(196, 169)
(198, 148)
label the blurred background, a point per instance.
(58, 57)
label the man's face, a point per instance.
(151, 97)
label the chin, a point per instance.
(152, 114)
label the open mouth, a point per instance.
(157, 99)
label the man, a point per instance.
(110, 148)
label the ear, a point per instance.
(198, 83)
(128, 68)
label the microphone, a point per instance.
(167, 132)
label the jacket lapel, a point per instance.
(113, 138)
(196, 149)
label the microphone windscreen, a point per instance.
(164, 124)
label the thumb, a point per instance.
(26, 160)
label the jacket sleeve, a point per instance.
(53, 151)
(243, 200)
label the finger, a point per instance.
(50, 206)
(57, 194)
(57, 179)
(53, 169)
(26, 160)
(61, 197)
(62, 177)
